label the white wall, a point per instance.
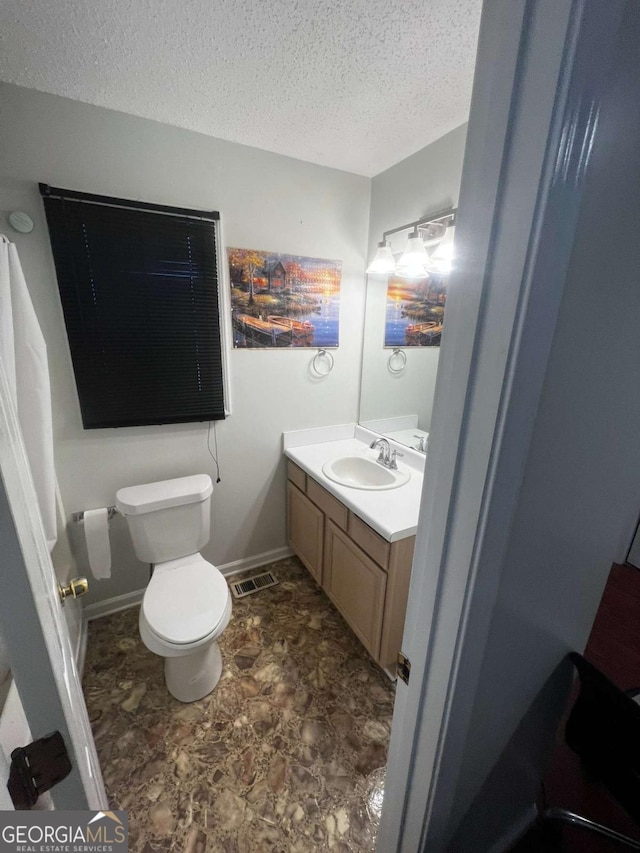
(426, 182)
(267, 202)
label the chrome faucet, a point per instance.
(386, 457)
(422, 443)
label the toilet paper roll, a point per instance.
(96, 533)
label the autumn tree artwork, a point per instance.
(282, 300)
(415, 311)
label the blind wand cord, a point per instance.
(214, 457)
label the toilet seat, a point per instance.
(186, 600)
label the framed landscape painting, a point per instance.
(415, 311)
(282, 300)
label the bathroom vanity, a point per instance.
(364, 571)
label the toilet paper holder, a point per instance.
(78, 517)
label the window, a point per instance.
(139, 291)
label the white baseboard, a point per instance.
(133, 599)
(515, 831)
(263, 559)
(113, 605)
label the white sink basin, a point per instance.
(358, 472)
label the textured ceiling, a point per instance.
(353, 84)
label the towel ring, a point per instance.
(401, 361)
(317, 360)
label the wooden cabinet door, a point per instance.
(305, 523)
(398, 579)
(356, 585)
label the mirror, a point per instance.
(402, 333)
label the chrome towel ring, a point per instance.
(322, 363)
(397, 361)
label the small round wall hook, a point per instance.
(322, 363)
(397, 361)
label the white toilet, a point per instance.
(187, 604)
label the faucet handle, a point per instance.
(393, 461)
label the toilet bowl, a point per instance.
(187, 604)
(185, 608)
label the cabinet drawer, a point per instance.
(356, 585)
(296, 475)
(370, 541)
(331, 507)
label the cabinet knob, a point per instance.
(74, 589)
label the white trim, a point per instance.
(113, 605)
(81, 646)
(224, 307)
(132, 599)
(258, 560)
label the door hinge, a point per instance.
(404, 667)
(37, 767)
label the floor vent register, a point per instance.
(253, 584)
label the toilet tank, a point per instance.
(168, 519)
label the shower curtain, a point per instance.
(24, 355)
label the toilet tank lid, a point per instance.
(149, 497)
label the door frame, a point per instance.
(34, 629)
(531, 123)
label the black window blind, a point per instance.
(139, 291)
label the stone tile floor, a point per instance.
(287, 754)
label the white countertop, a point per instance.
(393, 513)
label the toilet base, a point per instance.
(192, 676)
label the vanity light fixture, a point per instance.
(441, 260)
(415, 262)
(384, 262)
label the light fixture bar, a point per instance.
(449, 213)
